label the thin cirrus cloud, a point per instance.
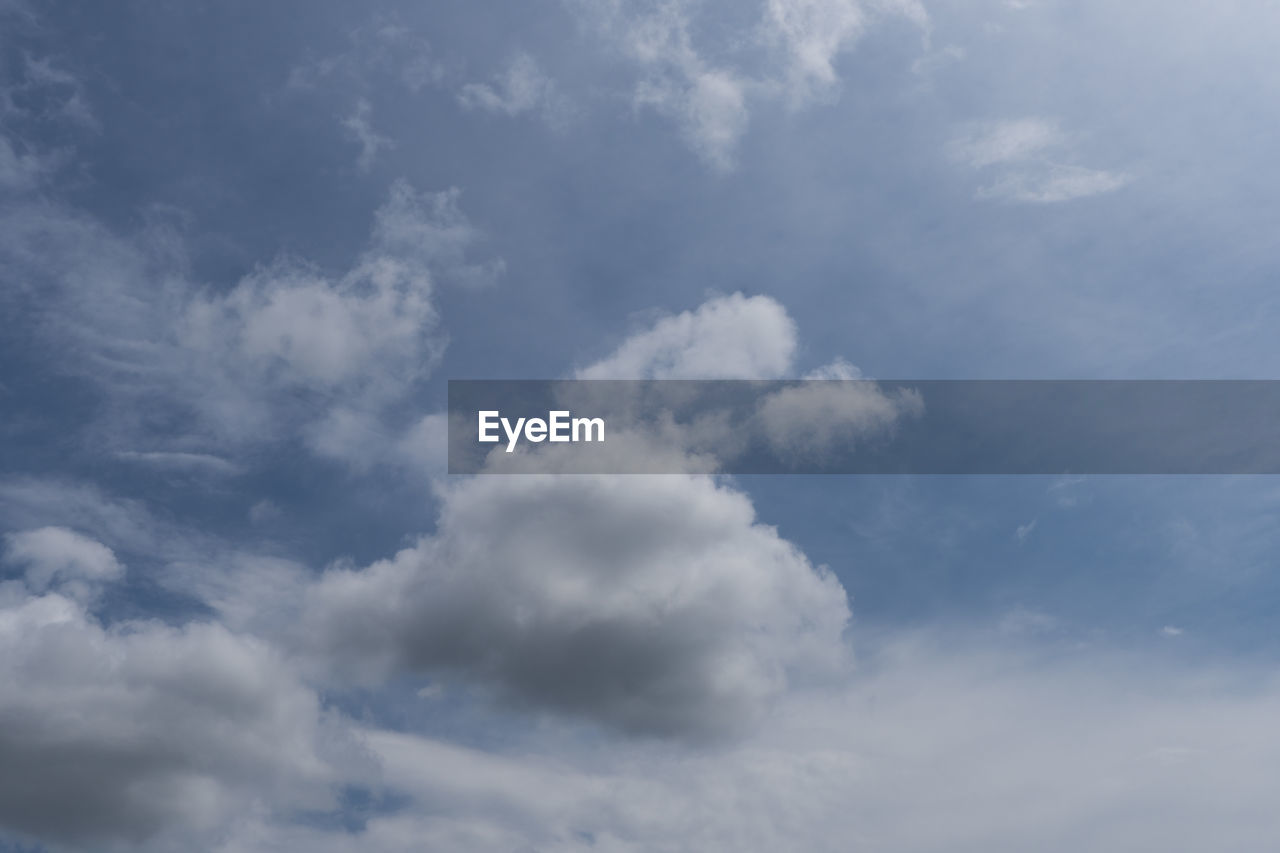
(1023, 156)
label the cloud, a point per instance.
(205, 463)
(653, 604)
(812, 33)
(21, 171)
(1054, 183)
(814, 419)
(521, 88)
(936, 745)
(1025, 148)
(787, 55)
(360, 125)
(58, 557)
(37, 96)
(141, 731)
(1004, 141)
(711, 108)
(278, 352)
(727, 337)
(124, 525)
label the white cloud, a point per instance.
(710, 106)
(727, 337)
(838, 368)
(1028, 148)
(360, 125)
(120, 735)
(710, 93)
(814, 419)
(1004, 141)
(521, 88)
(653, 604)
(1054, 183)
(239, 365)
(181, 461)
(812, 33)
(56, 557)
(426, 443)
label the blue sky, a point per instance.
(243, 247)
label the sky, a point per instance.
(244, 246)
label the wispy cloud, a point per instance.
(1052, 183)
(1025, 153)
(520, 89)
(360, 126)
(788, 55)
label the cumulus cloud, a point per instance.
(813, 419)
(727, 337)
(140, 731)
(651, 604)
(205, 463)
(56, 556)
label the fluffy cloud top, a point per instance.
(122, 734)
(728, 337)
(56, 555)
(655, 604)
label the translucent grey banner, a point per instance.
(864, 427)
